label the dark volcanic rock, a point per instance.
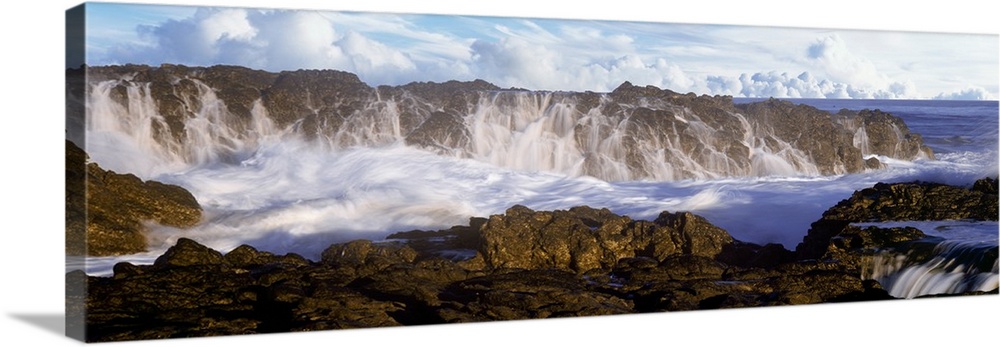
(578, 262)
(171, 302)
(332, 307)
(188, 253)
(530, 294)
(749, 255)
(76, 200)
(525, 239)
(852, 244)
(196, 291)
(248, 257)
(896, 202)
(873, 164)
(364, 258)
(694, 234)
(528, 264)
(454, 243)
(113, 207)
(629, 93)
(682, 267)
(916, 201)
(637, 129)
(441, 130)
(888, 135)
(987, 186)
(314, 96)
(813, 131)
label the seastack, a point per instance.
(207, 114)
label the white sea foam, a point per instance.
(954, 230)
(541, 131)
(290, 197)
(268, 188)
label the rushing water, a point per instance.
(572, 134)
(270, 188)
(960, 256)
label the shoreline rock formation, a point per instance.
(632, 132)
(521, 264)
(106, 211)
(911, 201)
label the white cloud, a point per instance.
(724, 85)
(780, 85)
(587, 36)
(853, 76)
(836, 72)
(516, 62)
(296, 40)
(373, 59)
(229, 24)
(533, 54)
(804, 85)
(579, 58)
(971, 93)
(269, 40)
(831, 56)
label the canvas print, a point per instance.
(237, 171)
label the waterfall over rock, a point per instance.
(177, 115)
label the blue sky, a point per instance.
(554, 54)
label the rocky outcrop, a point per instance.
(643, 132)
(812, 131)
(583, 239)
(903, 259)
(521, 264)
(106, 211)
(919, 201)
(577, 262)
(913, 201)
(880, 133)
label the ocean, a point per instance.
(282, 193)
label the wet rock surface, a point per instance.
(525, 239)
(106, 211)
(522, 264)
(884, 134)
(707, 136)
(911, 201)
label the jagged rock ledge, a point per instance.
(106, 211)
(707, 135)
(522, 264)
(910, 201)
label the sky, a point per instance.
(554, 54)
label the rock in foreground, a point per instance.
(105, 211)
(911, 201)
(522, 264)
